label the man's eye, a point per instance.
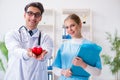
(38, 14)
(30, 13)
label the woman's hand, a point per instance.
(79, 62)
(66, 73)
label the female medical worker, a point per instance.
(23, 64)
(66, 55)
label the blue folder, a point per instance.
(89, 52)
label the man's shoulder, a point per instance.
(45, 34)
(12, 31)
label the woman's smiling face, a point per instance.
(73, 28)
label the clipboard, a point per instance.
(89, 52)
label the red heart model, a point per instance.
(37, 50)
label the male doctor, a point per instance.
(23, 64)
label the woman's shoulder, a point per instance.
(92, 44)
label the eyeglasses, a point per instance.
(37, 14)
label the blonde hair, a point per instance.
(74, 17)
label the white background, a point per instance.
(106, 18)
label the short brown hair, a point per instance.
(35, 4)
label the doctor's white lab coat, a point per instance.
(20, 65)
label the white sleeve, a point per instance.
(57, 71)
(93, 70)
(47, 44)
(13, 45)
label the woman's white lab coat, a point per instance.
(20, 65)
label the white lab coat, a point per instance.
(20, 65)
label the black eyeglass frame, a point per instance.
(37, 14)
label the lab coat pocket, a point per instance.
(42, 65)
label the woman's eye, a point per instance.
(72, 25)
(66, 27)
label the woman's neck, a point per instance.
(77, 37)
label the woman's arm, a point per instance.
(57, 71)
(90, 69)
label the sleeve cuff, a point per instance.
(25, 56)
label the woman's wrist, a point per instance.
(84, 65)
(62, 72)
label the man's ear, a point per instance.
(24, 14)
(40, 18)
